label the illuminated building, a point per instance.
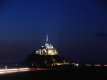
(48, 49)
(47, 56)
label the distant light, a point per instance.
(88, 65)
(97, 65)
(105, 65)
(42, 46)
(59, 64)
(32, 64)
(75, 64)
(16, 64)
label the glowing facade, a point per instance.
(47, 49)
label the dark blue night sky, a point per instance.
(77, 28)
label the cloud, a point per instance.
(101, 34)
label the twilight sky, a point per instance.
(77, 28)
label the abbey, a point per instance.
(48, 49)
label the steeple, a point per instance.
(47, 38)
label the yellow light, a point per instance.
(51, 52)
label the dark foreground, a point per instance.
(89, 73)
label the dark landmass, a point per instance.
(36, 60)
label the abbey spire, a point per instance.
(47, 38)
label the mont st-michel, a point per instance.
(47, 56)
(46, 63)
